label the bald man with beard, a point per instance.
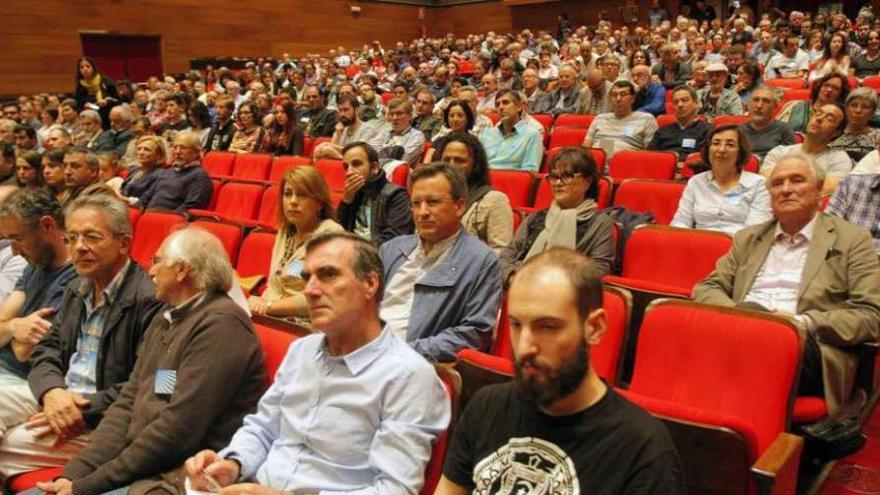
(593, 99)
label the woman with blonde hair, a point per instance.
(151, 153)
(304, 211)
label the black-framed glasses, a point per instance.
(564, 178)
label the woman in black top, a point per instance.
(94, 87)
(284, 136)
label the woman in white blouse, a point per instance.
(725, 197)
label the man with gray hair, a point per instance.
(32, 222)
(177, 400)
(373, 405)
(765, 132)
(88, 128)
(400, 140)
(81, 169)
(116, 138)
(186, 184)
(82, 363)
(811, 266)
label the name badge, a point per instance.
(165, 382)
(629, 131)
(688, 143)
(295, 268)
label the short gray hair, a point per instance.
(866, 94)
(190, 138)
(30, 205)
(91, 157)
(365, 260)
(817, 171)
(92, 115)
(113, 208)
(774, 94)
(205, 256)
(124, 111)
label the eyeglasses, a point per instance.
(431, 203)
(564, 178)
(90, 239)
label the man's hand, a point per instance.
(353, 183)
(249, 489)
(61, 486)
(31, 328)
(206, 466)
(63, 412)
(258, 305)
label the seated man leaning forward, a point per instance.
(558, 424)
(444, 285)
(79, 367)
(352, 410)
(815, 267)
(177, 400)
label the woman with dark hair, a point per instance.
(725, 197)
(488, 214)
(829, 90)
(284, 136)
(29, 169)
(304, 211)
(199, 120)
(249, 133)
(572, 221)
(458, 117)
(835, 58)
(638, 57)
(858, 139)
(92, 86)
(748, 77)
(53, 173)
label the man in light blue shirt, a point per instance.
(353, 409)
(512, 144)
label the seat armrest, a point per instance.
(195, 213)
(776, 471)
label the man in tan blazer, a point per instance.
(818, 269)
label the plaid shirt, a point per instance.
(82, 374)
(857, 200)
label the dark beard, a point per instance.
(559, 384)
(346, 121)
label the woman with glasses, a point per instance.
(858, 138)
(829, 90)
(304, 211)
(725, 197)
(572, 221)
(249, 133)
(488, 214)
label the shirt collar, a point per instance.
(112, 288)
(175, 313)
(806, 232)
(439, 248)
(875, 181)
(359, 359)
(185, 166)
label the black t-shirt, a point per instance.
(505, 445)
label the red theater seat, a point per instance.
(630, 164)
(255, 255)
(516, 184)
(434, 470)
(567, 136)
(236, 201)
(582, 121)
(333, 172)
(218, 163)
(229, 235)
(660, 197)
(704, 371)
(26, 481)
(281, 164)
(153, 227)
(252, 166)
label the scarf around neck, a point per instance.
(93, 86)
(560, 227)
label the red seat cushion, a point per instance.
(26, 481)
(516, 184)
(809, 409)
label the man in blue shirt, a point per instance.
(512, 144)
(352, 408)
(32, 220)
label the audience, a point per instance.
(832, 290)
(564, 98)
(304, 211)
(856, 201)
(53, 173)
(318, 120)
(688, 133)
(488, 214)
(117, 137)
(832, 89)
(858, 139)
(223, 130)
(80, 171)
(557, 407)
(762, 130)
(622, 128)
(29, 170)
(249, 134)
(375, 405)
(572, 221)
(349, 129)
(716, 99)
(151, 156)
(80, 366)
(443, 285)
(183, 186)
(177, 400)
(372, 207)
(725, 197)
(650, 95)
(283, 136)
(400, 140)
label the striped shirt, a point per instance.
(857, 200)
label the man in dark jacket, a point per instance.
(318, 121)
(371, 206)
(178, 400)
(186, 184)
(116, 138)
(220, 135)
(80, 366)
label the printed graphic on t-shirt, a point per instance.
(526, 466)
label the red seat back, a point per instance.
(255, 255)
(660, 197)
(516, 184)
(574, 120)
(665, 119)
(567, 136)
(718, 360)
(274, 344)
(333, 172)
(269, 205)
(785, 83)
(216, 185)
(672, 256)
(153, 227)
(605, 357)
(630, 164)
(252, 166)
(281, 164)
(400, 176)
(545, 119)
(795, 94)
(729, 119)
(434, 469)
(872, 82)
(218, 163)
(239, 200)
(229, 235)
